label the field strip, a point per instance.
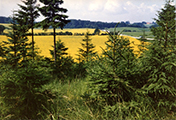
(45, 43)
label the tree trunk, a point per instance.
(32, 42)
(54, 29)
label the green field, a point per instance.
(136, 32)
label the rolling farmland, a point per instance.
(45, 43)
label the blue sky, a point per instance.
(100, 10)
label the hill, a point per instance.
(101, 25)
(90, 24)
(5, 19)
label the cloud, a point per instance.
(96, 5)
(142, 11)
(100, 10)
(7, 7)
(114, 7)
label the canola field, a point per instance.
(45, 43)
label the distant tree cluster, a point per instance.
(5, 19)
(51, 33)
(101, 25)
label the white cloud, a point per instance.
(153, 8)
(96, 5)
(100, 10)
(7, 7)
(114, 6)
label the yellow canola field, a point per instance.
(45, 43)
(78, 30)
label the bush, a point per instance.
(22, 92)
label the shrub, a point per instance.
(22, 92)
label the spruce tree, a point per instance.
(111, 74)
(54, 17)
(30, 12)
(63, 64)
(97, 31)
(88, 49)
(159, 63)
(165, 32)
(16, 49)
(22, 91)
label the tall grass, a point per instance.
(69, 103)
(72, 105)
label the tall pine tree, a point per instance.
(30, 12)
(54, 17)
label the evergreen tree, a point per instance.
(60, 48)
(2, 28)
(22, 91)
(97, 31)
(16, 49)
(111, 78)
(30, 12)
(165, 32)
(63, 64)
(87, 51)
(159, 65)
(54, 17)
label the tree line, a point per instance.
(101, 25)
(90, 24)
(121, 83)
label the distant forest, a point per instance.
(90, 24)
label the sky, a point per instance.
(100, 10)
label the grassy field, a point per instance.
(137, 32)
(45, 43)
(39, 30)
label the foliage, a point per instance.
(87, 52)
(158, 63)
(30, 13)
(110, 75)
(101, 25)
(97, 31)
(51, 11)
(16, 49)
(63, 64)
(22, 91)
(160, 67)
(5, 19)
(166, 24)
(2, 28)
(119, 84)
